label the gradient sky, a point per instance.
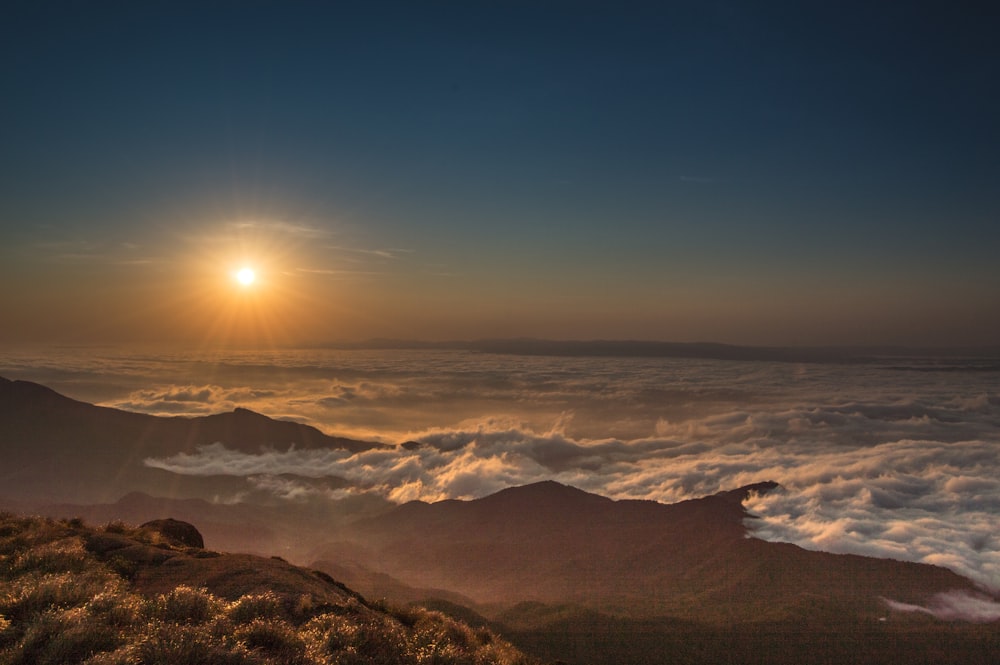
(742, 172)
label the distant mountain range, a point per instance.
(557, 569)
(984, 357)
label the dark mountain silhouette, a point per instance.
(693, 560)
(59, 449)
(983, 357)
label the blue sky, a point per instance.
(764, 173)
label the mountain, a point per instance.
(692, 560)
(34, 409)
(53, 448)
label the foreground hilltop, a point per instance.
(73, 594)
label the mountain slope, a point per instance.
(693, 560)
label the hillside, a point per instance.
(69, 593)
(691, 560)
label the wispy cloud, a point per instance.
(390, 254)
(192, 399)
(73, 250)
(104, 251)
(303, 231)
(337, 272)
(955, 605)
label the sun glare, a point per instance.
(245, 276)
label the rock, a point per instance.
(176, 530)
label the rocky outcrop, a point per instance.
(181, 533)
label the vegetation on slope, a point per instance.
(72, 594)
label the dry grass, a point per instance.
(60, 604)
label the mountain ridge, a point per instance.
(55, 448)
(640, 348)
(695, 559)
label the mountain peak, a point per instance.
(741, 494)
(20, 388)
(545, 492)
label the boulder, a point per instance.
(180, 532)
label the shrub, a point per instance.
(256, 606)
(32, 595)
(187, 645)
(117, 526)
(63, 637)
(124, 655)
(6, 632)
(276, 640)
(441, 641)
(61, 556)
(353, 640)
(124, 567)
(185, 605)
(119, 610)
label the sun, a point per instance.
(245, 276)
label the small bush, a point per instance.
(124, 567)
(64, 637)
(440, 640)
(276, 640)
(304, 608)
(256, 606)
(66, 555)
(117, 526)
(185, 605)
(118, 609)
(32, 595)
(124, 655)
(187, 645)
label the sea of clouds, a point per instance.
(897, 459)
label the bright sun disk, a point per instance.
(245, 276)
